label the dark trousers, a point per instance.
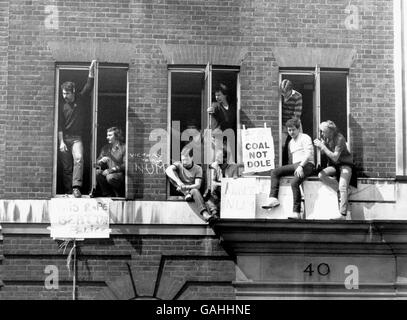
(288, 170)
(111, 185)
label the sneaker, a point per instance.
(273, 202)
(339, 216)
(76, 193)
(294, 215)
(188, 197)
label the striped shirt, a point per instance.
(292, 107)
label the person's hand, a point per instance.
(319, 143)
(299, 172)
(105, 172)
(92, 68)
(104, 159)
(184, 188)
(180, 187)
(63, 147)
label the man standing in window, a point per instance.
(111, 165)
(291, 108)
(70, 126)
(223, 122)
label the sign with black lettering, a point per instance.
(79, 218)
(257, 149)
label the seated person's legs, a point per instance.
(104, 186)
(116, 181)
(275, 176)
(344, 180)
(200, 203)
(328, 177)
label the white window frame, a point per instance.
(207, 71)
(94, 102)
(316, 103)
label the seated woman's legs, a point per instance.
(344, 180)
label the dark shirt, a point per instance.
(116, 154)
(72, 116)
(221, 118)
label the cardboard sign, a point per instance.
(257, 149)
(73, 218)
(321, 202)
(238, 200)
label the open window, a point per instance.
(324, 97)
(106, 106)
(191, 92)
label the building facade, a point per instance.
(158, 63)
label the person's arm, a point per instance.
(62, 145)
(196, 185)
(309, 148)
(171, 172)
(298, 107)
(334, 156)
(89, 83)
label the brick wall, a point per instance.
(122, 267)
(259, 25)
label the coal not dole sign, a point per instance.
(257, 149)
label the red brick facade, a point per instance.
(141, 29)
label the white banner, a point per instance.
(257, 149)
(73, 218)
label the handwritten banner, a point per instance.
(257, 149)
(79, 218)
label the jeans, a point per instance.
(214, 200)
(72, 163)
(196, 195)
(287, 170)
(328, 177)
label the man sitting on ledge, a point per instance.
(187, 178)
(302, 153)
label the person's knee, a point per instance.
(194, 191)
(322, 175)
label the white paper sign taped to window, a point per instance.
(257, 149)
(73, 218)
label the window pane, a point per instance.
(333, 99)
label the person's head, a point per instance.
(328, 129)
(68, 91)
(222, 93)
(286, 87)
(293, 127)
(114, 134)
(187, 157)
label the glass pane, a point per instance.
(333, 99)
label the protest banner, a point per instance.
(257, 150)
(238, 198)
(79, 218)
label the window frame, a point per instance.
(84, 66)
(316, 73)
(207, 71)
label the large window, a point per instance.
(325, 97)
(106, 106)
(191, 92)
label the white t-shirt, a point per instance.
(302, 148)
